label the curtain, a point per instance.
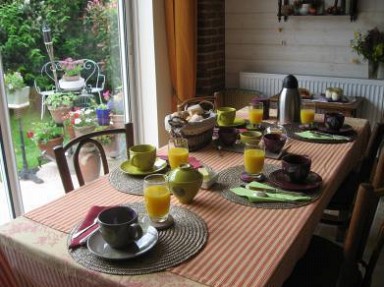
(181, 28)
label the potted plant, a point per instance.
(115, 104)
(102, 113)
(17, 91)
(59, 105)
(46, 135)
(71, 69)
(84, 121)
(371, 47)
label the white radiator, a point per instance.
(371, 90)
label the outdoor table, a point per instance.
(246, 246)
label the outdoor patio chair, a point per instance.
(339, 209)
(93, 80)
(90, 140)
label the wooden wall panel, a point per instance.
(307, 45)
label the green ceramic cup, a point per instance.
(226, 116)
(142, 156)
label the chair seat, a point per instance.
(320, 266)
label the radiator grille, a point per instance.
(371, 90)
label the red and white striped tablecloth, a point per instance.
(246, 246)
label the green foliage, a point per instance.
(369, 45)
(14, 81)
(60, 99)
(45, 131)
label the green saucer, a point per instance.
(237, 122)
(128, 168)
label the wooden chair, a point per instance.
(326, 263)
(77, 144)
(341, 203)
(237, 98)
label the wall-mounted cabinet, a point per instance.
(293, 8)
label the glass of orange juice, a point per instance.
(157, 197)
(178, 152)
(307, 114)
(255, 114)
(254, 155)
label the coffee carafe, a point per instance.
(288, 110)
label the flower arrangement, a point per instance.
(71, 67)
(44, 132)
(81, 118)
(114, 103)
(14, 81)
(369, 45)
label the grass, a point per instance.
(33, 153)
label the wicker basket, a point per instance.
(199, 134)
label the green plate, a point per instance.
(128, 168)
(237, 122)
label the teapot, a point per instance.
(185, 182)
(289, 102)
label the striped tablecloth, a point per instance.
(246, 246)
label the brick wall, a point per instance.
(210, 46)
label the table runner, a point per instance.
(246, 246)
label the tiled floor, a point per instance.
(35, 195)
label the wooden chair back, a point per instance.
(77, 144)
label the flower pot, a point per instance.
(19, 96)
(103, 117)
(90, 163)
(71, 78)
(79, 131)
(115, 147)
(118, 121)
(59, 114)
(47, 148)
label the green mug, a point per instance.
(226, 116)
(142, 156)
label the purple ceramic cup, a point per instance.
(334, 121)
(274, 142)
(296, 166)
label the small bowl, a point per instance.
(228, 136)
(250, 136)
(274, 142)
(296, 166)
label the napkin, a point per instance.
(88, 220)
(194, 162)
(321, 136)
(273, 194)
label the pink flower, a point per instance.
(107, 95)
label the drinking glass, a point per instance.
(178, 152)
(307, 114)
(157, 197)
(255, 114)
(254, 155)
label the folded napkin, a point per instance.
(88, 220)
(321, 136)
(272, 194)
(194, 162)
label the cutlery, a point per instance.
(78, 233)
(329, 135)
(272, 190)
(83, 240)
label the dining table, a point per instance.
(244, 245)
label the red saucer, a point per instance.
(282, 180)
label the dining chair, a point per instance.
(77, 144)
(237, 98)
(326, 263)
(339, 209)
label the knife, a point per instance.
(272, 190)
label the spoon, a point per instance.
(260, 193)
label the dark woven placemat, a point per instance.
(126, 183)
(294, 128)
(230, 178)
(184, 239)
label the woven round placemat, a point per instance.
(294, 128)
(185, 238)
(230, 178)
(126, 183)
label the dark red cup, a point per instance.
(334, 121)
(296, 166)
(228, 136)
(274, 142)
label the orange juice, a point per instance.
(307, 116)
(157, 201)
(255, 116)
(254, 160)
(177, 156)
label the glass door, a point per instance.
(48, 49)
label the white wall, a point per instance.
(304, 45)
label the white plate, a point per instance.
(100, 248)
